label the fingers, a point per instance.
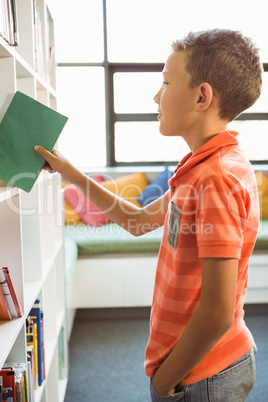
(43, 152)
(49, 168)
(48, 156)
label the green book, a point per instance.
(25, 124)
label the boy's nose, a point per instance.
(156, 97)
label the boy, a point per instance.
(199, 347)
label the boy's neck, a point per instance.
(200, 137)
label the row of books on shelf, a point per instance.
(9, 22)
(18, 381)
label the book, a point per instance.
(43, 345)
(8, 21)
(9, 293)
(35, 346)
(30, 383)
(8, 394)
(15, 22)
(21, 383)
(8, 379)
(36, 312)
(30, 359)
(25, 124)
(4, 311)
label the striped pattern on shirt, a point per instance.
(213, 212)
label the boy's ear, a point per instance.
(204, 97)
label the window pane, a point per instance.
(134, 92)
(81, 98)
(261, 106)
(142, 142)
(253, 138)
(142, 31)
(79, 31)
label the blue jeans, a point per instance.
(233, 384)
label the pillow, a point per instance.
(262, 182)
(128, 187)
(70, 216)
(157, 188)
(87, 211)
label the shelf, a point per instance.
(50, 347)
(31, 244)
(31, 292)
(62, 389)
(5, 49)
(8, 192)
(9, 331)
(48, 262)
(60, 320)
(38, 394)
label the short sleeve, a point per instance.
(221, 214)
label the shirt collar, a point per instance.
(226, 138)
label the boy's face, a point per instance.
(175, 99)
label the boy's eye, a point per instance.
(165, 83)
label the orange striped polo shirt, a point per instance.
(213, 212)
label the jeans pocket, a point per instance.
(173, 225)
(177, 397)
(235, 382)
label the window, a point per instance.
(110, 56)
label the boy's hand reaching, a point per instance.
(57, 163)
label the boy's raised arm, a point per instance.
(135, 220)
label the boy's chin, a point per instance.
(166, 133)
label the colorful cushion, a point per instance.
(262, 182)
(70, 216)
(157, 188)
(87, 211)
(128, 187)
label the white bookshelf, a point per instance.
(31, 239)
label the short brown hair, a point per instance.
(229, 62)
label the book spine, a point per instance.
(9, 300)
(30, 358)
(35, 349)
(15, 22)
(6, 23)
(8, 375)
(43, 345)
(12, 292)
(36, 311)
(4, 311)
(10, 23)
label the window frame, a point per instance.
(110, 69)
